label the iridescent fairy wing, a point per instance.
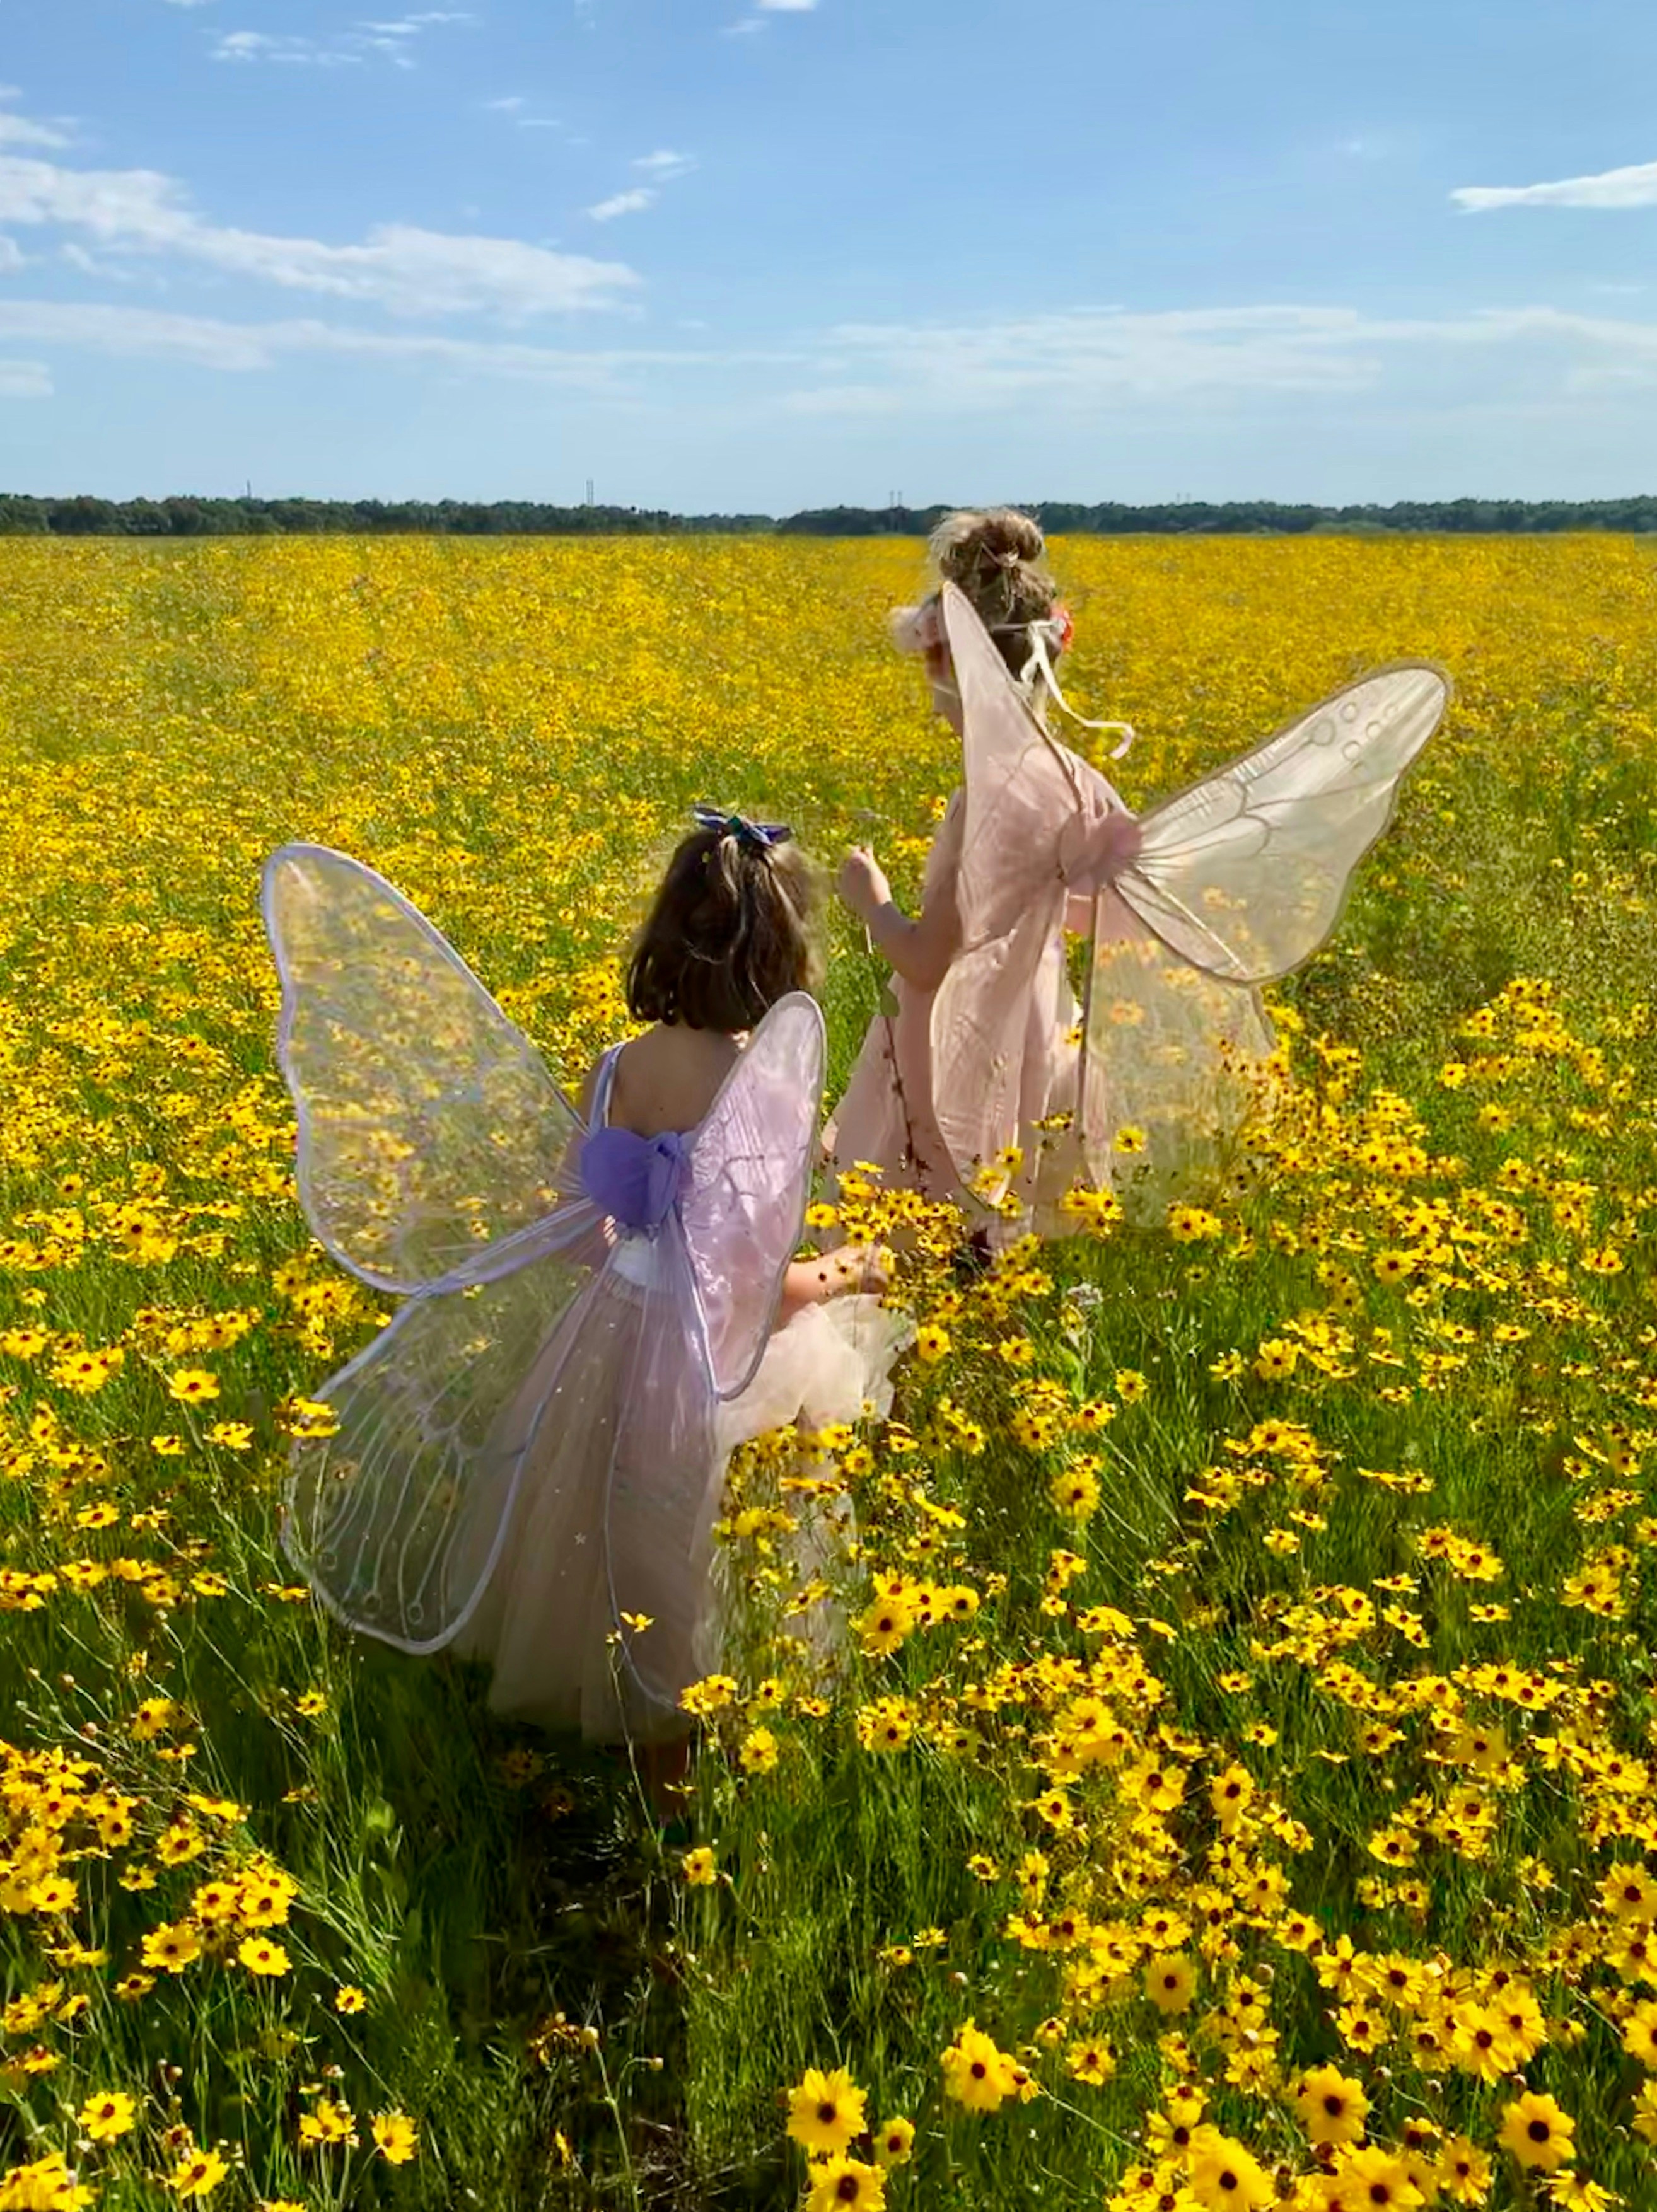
(1245, 874)
(398, 1516)
(1031, 810)
(1174, 1069)
(429, 1129)
(749, 1172)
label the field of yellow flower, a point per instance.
(1235, 1782)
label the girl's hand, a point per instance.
(862, 884)
(855, 1267)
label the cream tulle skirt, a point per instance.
(547, 1618)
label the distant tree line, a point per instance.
(86, 516)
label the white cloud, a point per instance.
(842, 399)
(398, 266)
(631, 202)
(410, 27)
(12, 256)
(1610, 188)
(18, 130)
(746, 26)
(127, 333)
(188, 3)
(25, 380)
(1111, 358)
(514, 104)
(1091, 353)
(279, 47)
(392, 39)
(664, 164)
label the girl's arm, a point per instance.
(922, 950)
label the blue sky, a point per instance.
(743, 254)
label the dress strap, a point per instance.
(603, 1085)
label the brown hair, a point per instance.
(995, 555)
(733, 928)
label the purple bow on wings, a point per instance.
(635, 1180)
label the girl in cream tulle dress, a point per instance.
(601, 1300)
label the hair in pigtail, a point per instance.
(733, 928)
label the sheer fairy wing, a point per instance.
(1175, 1070)
(398, 1516)
(429, 1129)
(743, 1205)
(1245, 874)
(1031, 810)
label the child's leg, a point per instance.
(663, 1767)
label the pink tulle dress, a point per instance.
(887, 1117)
(1224, 886)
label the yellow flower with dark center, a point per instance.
(170, 1947)
(895, 2141)
(105, 2116)
(395, 2137)
(1331, 2107)
(1536, 2132)
(976, 2073)
(1226, 2178)
(825, 2111)
(1170, 1983)
(262, 1956)
(845, 2184)
(198, 2175)
(192, 1386)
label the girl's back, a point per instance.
(668, 1078)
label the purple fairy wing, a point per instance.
(429, 1129)
(1245, 873)
(744, 1200)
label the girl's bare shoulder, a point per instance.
(669, 1077)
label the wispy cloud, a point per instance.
(398, 267)
(25, 380)
(393, 39)
(662, 167)
(746, 26)
(1611, 188)
(630, 203)
(1113, 358)
(1107, 360)
(664, 164)
(246, 46)
(188, 3)
(1090, 354)
(516, 105)
(19, 131)
(12, 256)
(128, 332)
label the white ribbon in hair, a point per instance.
(920, 629)
(1040, 662)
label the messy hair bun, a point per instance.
(995, 555)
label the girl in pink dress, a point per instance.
(985, 1077)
